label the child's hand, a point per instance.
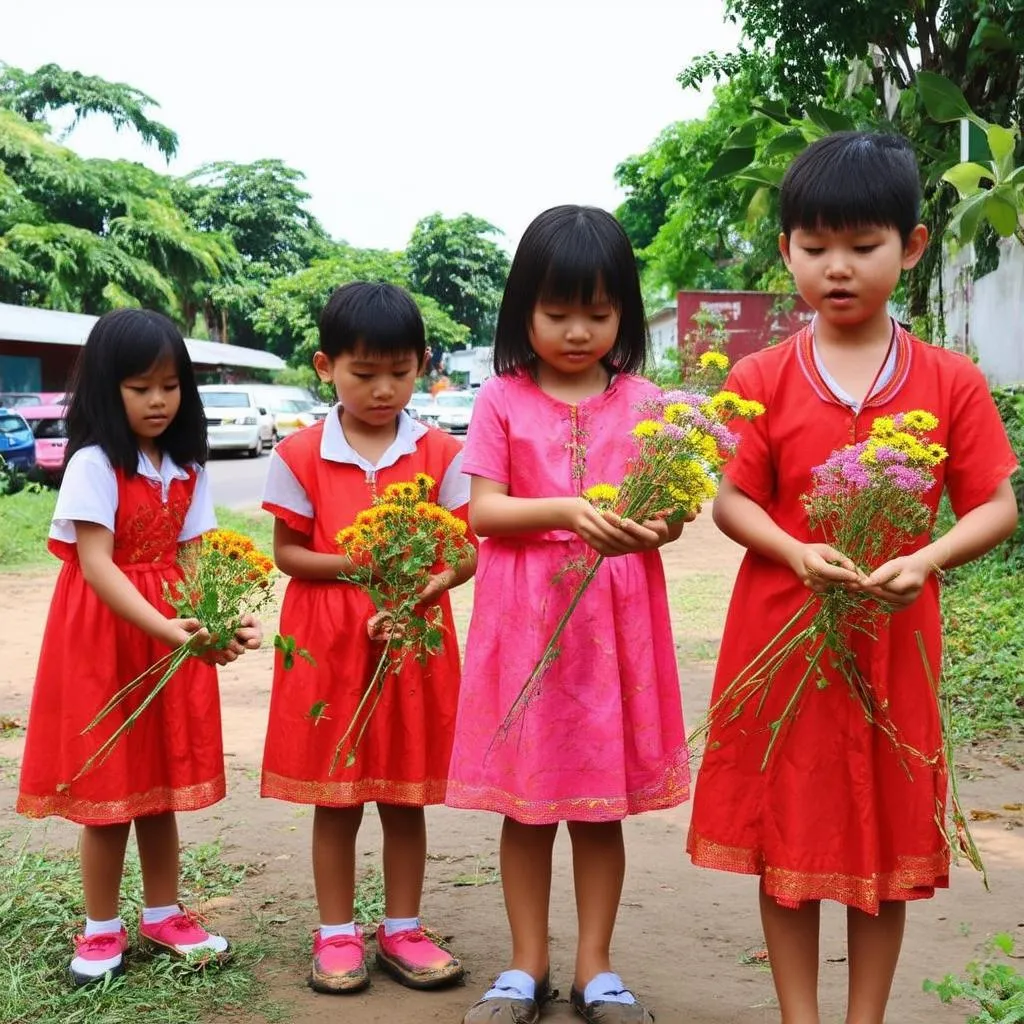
(604, 535)
(820, 566)
(899, 581)
(382, 627)
(436, 586)
(179, 630)
(646, 536)
(248, 637)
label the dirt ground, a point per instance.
(686, 937)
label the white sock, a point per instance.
(155, 915)
(607, 988)
(329, 931)
(111, 927)
(512, 985)
(400, 924)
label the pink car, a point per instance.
(47, 423)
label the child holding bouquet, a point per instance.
(603, 735)
(133, 496)
(839, 810)
(321, 480)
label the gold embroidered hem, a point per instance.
(537, 812)
(353, 793)
(912, 877)
(117, 812)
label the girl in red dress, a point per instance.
(834, 815)
(134, 491)
(372, 347)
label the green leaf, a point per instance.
(942, 98)
(759, 205)
(1002, 142)
(1002, 212)
(317, 713)
(990, 35)
(966, 217)
(792, 141)
(743, 137)
(828, 120)
(770, 176)
(729, 162)
(966, 178)
(776, 111)
(287, 646)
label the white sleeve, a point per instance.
(284, 490)
(88, 492)
(454, 490)
(200, 516)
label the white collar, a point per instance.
(334, 444)
(169, 470)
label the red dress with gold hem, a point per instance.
(834, 815)
(172, 759)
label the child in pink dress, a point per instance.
(604, 735)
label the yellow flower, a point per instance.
(920, 420)
(705, 445)
(648, 428)
(718, 360)
(724, 401)
(403, 492)
(749, 408)
(346, 538)
(937, 453)
(884, 426)
(676, 412)
(425, 483)
(602, 494)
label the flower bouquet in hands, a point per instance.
(225, 578)
(681, 446)
(404, 550)
(866, 501)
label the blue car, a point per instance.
(17, 442)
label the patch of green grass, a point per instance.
(205, 875)
(369, 909)
(697, 602)
(40, 910)
(25, 524)
(258, 525)
(9, 768)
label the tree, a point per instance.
(287, 320)
(49, 88)
(455, 263)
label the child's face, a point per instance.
(848, 276)
(571, 337)
(372, 388)
(152, 399)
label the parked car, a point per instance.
(47, 423)
(233, 419)
(291, 414)
(17, 442)
(420, 401)
(451, 411)
(20, 399)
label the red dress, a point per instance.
(172, 758)
(834, 816)
(404, 755)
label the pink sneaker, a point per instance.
(339, 963)
(184, 935)
(414, 958)
(97, 956)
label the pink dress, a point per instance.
(603, 737)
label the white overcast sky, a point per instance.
(393, 109)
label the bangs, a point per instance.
(138, 343)
(852, 180)
(381, 320)
(583, 267)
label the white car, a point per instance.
(233, 420)
(451, 411)
(419, 403)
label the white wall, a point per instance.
(987, 315)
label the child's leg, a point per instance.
(874, 947)
(157, 836)
(334, 862)
(102, 853)
(526, 882)
(598, 868)
(405, 858)
(792, 940)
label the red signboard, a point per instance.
(751, 319)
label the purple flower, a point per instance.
(907, 479)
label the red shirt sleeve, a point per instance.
(751, 469)
(980, 454)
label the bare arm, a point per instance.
(295, 558)
(95, 555)
(740, 518)
(900, 580)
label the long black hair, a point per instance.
(851, 180)
(123, 344)
(572, 254)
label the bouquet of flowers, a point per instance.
(225, 578)
(680, 449)
(866, 501)
(395, 547)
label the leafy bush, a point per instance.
(996, 988)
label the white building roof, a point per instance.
(54, 327)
